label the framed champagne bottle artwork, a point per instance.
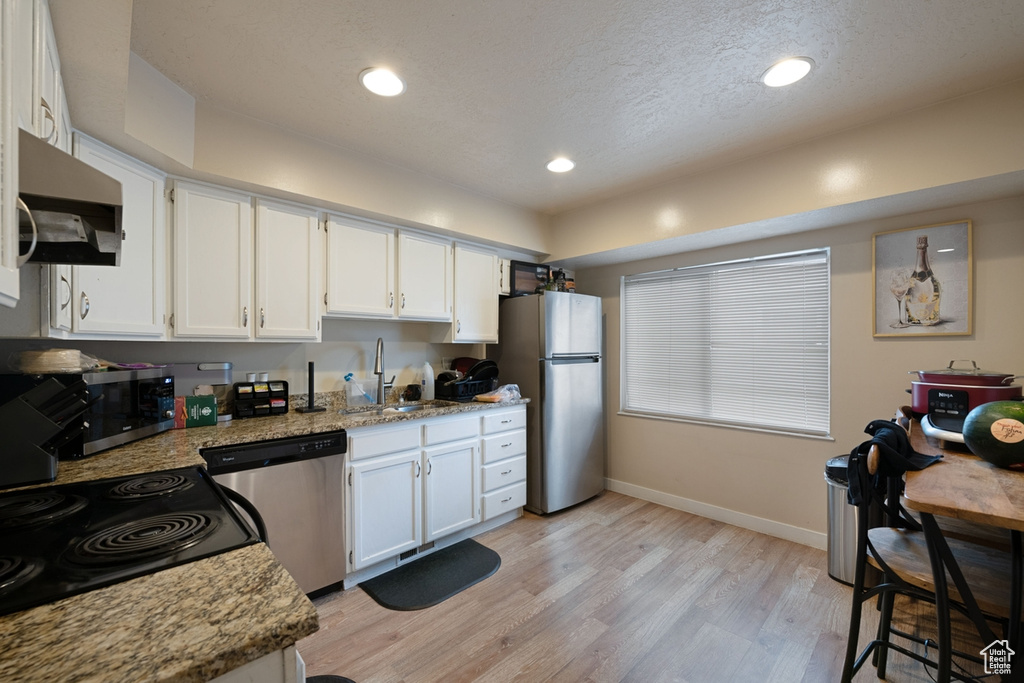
(922, 281)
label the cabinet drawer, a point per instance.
(504, 473)
(500, 446)
(503, 500)
(440, 431)
(505, 420)
(378, 441)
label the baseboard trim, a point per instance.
(814, 539)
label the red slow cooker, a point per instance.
(947, 395)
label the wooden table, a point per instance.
(966, 487)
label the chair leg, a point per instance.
(855, 615)
(884, 625)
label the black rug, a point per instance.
(434, 578)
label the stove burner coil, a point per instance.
(37, 507)
(149, 486)
(143, 539)
(15, 571)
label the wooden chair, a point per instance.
(900, 551)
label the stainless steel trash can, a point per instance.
(843, 526)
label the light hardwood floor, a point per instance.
(616, 589)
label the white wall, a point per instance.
(774, 482)
(979, 136)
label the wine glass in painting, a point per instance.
(899, 284)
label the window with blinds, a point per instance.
(742, 344)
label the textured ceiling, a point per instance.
(636, 91)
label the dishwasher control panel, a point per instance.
(244, 456)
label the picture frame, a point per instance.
(895, 259)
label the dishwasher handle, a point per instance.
(250, 509)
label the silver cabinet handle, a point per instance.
(418, 468)
(68, 285)
(403, 299)
(430, 466)
(84, 305)
(505, 422)
(506, 472)
(245, 316)
(325, 298)
(48, 114)
(506, 445)
(507, 499)
(391, 299)
(458, 326)
(263, 318)
(23, 259)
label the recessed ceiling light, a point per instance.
(787, 71)
(382, 82)
(561, 165)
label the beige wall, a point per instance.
(962, 140)
(774, 482)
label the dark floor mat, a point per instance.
(435, 578)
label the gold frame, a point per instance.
(897, 249)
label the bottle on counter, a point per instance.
(427, 383)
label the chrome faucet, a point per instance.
(378, 369)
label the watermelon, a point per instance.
(995, 432)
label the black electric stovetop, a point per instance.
(59, 541)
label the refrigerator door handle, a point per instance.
(566, 359)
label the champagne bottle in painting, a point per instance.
(922, 299)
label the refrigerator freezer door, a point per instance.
(570, 465)
(571, 324)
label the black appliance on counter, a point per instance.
(59, 541)
(124, 405)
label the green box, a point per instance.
(195, 411)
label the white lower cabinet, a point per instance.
(503, 449)
(450, 488)
(424, 480)
(386, 515)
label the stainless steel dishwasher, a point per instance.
(296, 485)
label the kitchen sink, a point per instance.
(397, 409)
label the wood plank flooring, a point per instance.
(618, 589)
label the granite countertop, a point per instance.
(193, 622)
(181, 447)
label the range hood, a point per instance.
(76, 209)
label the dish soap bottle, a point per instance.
(427, 383)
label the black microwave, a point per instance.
(124, 405)
(527, 278)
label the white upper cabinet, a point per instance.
(213, 262)
(49, 115)
(476, 295)
(10, 39)
(225, 290)
(361, 268)
(373, 274)
(128, 299)
(424, 277)
(288, 257)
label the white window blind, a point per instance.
(743, 343)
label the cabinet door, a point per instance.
(60, 296)
(10, 40)
(450, 488)
(360, 268)
(21, 16)
(287, 271)
(386, 501)
(213, 262)
(476, 296)
(130, 298)
(47, 78)
(424, 277)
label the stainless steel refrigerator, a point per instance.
(550, 345)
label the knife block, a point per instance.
(23, 460)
